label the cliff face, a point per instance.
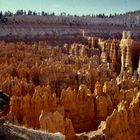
(34, 27)
(72, 89)
(77, 20)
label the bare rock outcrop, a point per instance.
(55, 122)
(123, 123)
(79, 107)
(126, 50)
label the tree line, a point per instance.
(34, 13)
(24, 12)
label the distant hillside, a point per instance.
(129, 19)
(33, 25)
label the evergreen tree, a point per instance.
(8, 13)
(42, 13)
(19, 12)
(34, 13)
(1, 14)
(30, 12)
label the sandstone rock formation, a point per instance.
(79, 107)
(73, 88)
(126, 46)
(55, 122)
(123, 123)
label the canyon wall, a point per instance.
(29, 27)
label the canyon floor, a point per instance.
(76, 87)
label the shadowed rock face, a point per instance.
(73, 88)
(4, 103)
(123, 123)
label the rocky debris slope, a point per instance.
(30, 25)
(9, 131)
(77, 20)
